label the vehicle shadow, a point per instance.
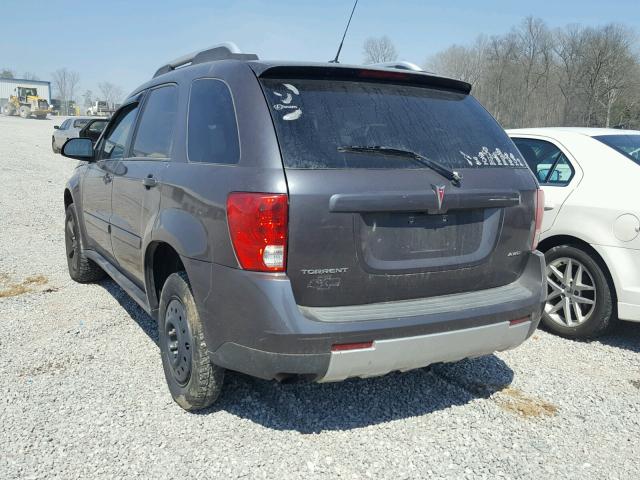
(355, 403)
(312, 408)
(625, 335)
(142, 318)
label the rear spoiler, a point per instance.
(386, 75)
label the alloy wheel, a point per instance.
(571, 292)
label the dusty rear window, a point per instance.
(313, 118)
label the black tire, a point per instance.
(194, 382)
(53, 146)
(81, 269)
(602, 316)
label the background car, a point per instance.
(590, 231)
(72, 127)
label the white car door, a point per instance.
(555, 168)
(59, 134)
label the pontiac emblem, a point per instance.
(439, 191)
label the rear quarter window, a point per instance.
(313, 118)
(212, 129)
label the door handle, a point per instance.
(149, 182)
(107, 178)
(549, 207)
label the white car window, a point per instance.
(549, 164)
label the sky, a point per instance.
(124, 42)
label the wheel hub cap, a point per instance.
(178, 341)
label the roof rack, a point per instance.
(400, 65)
(221, 51)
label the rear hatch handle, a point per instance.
(422, 201)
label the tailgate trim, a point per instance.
(423, 306)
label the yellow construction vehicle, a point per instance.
(27, 103)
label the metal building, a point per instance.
(8, 85)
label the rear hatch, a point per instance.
(369, 224)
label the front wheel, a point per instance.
(194, 382)
(81, 268)
(25, 112)
(579, 300)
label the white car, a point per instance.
(72, 127)
(591, 226)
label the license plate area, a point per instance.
(401, 241)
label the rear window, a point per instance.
(313, 118)
(628, 145)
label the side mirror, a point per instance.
(78, 148)
(57, 127)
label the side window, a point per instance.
(561, 173)
(98, 126)
(154, 137)
(116, 140)
(213, 132)
(65, 124)
(546, 161)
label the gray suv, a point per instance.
(310, 221)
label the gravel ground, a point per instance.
(83, 393)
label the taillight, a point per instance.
(539, 214)
(258, 224)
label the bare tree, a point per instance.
(30, 76)
(65, 83)
(458, 61)
(534, 51)
(530, 76)
(7, 73)
(377, 50)
(112, 94)
(88, 98)
(569, 51)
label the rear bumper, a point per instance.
(253, 325)
(414, 352)
(624, 266)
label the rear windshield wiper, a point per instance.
(454, 177)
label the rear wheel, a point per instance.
(81, 268)
(579, 300)
(194, 382)
(25, 112)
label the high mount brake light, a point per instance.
(539, 215)
(382, 75)
(258, 224)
